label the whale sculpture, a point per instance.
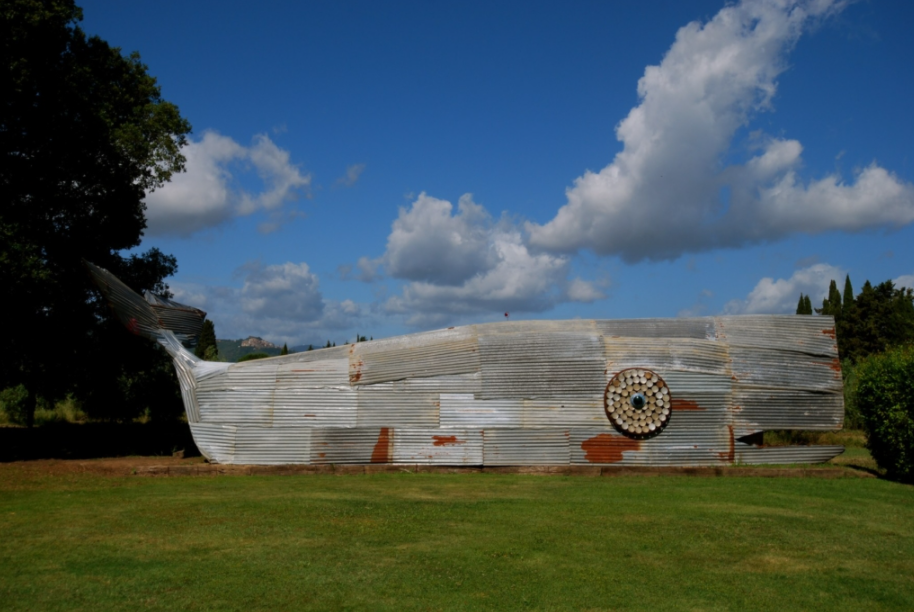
(654, 392)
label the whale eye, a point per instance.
(647, 412)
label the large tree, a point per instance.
(84, 134)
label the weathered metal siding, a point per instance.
(397, 404)
(526, 447)
(553, 364)
(439, 353)
(356, 445)
(525, 393)
(273, 445)
(437, 447)
(216, 442)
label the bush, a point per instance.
(251, 356)
(13, 405)
(852, 417)
(885, 399)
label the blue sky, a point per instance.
(388, 167)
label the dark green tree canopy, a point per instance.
(207, 348)
(84, 133)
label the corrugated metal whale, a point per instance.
(663, 392)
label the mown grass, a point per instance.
(453, 542)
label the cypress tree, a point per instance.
(807, 305)
(801, 306)
(285, 349)
(848, 294)
(206, 344)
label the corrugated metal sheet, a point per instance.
(273, 445)
(357, 445)
(697, 328)
(526, 447)
(321, 407)
(216, 442)
(665, 355)
(438, 447)
(558, 364)
(803, 334)
(512, 393)
(564, 412)
(786, 454)
(439, 353)
(396, 404)
(787, 408)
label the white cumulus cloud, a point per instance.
(207, 194)
(906, 280)
(280, 303)
(670, 190)
(468, 264)
(781, 296)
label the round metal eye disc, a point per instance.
(641, 410)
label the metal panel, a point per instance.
(464, 410)
(357, 445)
(786, 454)
(438, 353)
(215, 442)
(803, 334)
(437, 446)
(699, 328)
(784, 370)
(665, 355)
(787, 409)
(272, 446)
(313, 374)
(396, 404)
(526, 446)
(558, 364)
(321, 407)
(240, 406)
(564, 412)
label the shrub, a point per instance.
(250, 356)
(885, 399)
(13, 404)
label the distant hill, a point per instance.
(233, 350)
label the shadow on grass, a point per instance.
(95, 441)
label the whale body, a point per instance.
(650, 392)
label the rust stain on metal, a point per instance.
(381, 452)
(447, 440)
(354, 378)
(606, 448)
(681, 404)
(313, 416)
(730, 454)
(322, 455)
(834, 365)
(829, 332)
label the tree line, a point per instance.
(876, 319)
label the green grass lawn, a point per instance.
(453, 542)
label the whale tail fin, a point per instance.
(147, 316)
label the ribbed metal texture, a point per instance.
(439, 353)
(526, 447)
(273, 445)
(532, 393)
(528, 365)
(356, 445)
(216, 442)
(437, 447)
(511, 393)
